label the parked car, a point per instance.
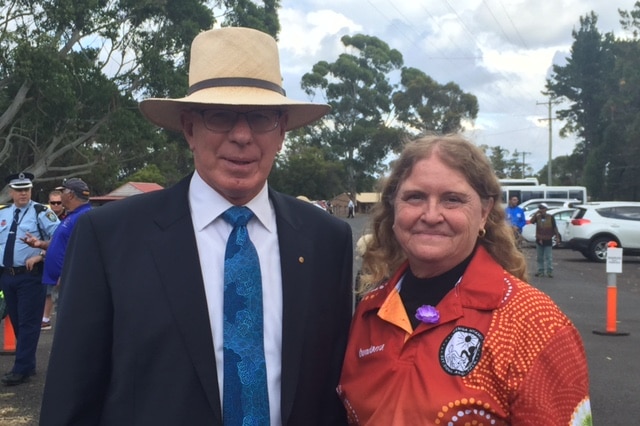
(562, 217)
(531, 206)
(593, 225)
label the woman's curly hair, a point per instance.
(384, 255)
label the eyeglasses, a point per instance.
(222, 121)
(55, 203)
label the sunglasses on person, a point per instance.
(55, 203)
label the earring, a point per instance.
(482, 233)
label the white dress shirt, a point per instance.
(212, 232)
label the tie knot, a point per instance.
(237, 216)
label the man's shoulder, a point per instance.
(171, 201)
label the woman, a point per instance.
(447, 331)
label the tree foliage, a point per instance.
(71, 75)
(71, 72)
(358, 89)
(308, 172)
(424, 105)
(601, 80)
(246, 13)
(371, 115)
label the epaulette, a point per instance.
(39, 208)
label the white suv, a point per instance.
(593, 225)
(531, 206)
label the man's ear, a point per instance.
(186, 118)
(284, 120)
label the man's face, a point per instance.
(513, 201)
(67, 197)
(21, 197)
(237, 162)
(55, 201)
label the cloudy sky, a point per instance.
(501, 51)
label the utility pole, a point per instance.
(550, 118)
(523, 163)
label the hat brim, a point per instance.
(166, 112)
(21, 185)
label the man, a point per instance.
(350, 207)
(75, 198)
(546, 229)
(55, 203)
(140, 334)
(21, 279)
(516, 217)
(74, 194)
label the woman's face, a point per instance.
(437, 217)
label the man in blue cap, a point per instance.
(75, 199)
(21, 279)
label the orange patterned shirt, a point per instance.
(502, 354)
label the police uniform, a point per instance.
(23, 289)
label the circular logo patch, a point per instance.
(461, 351)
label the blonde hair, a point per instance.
(384, 255)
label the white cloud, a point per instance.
(499, 50)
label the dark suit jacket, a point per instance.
(133, 343)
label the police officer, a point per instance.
(21, 278)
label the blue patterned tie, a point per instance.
(9, 247)
(245, 397)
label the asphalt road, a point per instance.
(579, 288)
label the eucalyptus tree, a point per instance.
(72, 72)
(358, 89)
(372, 114)
(425, 105)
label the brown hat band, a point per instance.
(235, 82)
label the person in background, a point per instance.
(351, 208)
(75, 198)
(116, 362)
(55, 204)
(546, 229)
(516, 217)
(448, 331)
(21, 275)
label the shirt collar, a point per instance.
(206, 205)
(482, 285)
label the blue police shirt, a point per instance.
(28, 221)
(55, 253)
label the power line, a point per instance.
(513, 25)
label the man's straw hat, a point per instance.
(232, 67)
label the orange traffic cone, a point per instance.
(9, 344)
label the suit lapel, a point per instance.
(296, 259)
(176, 256)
